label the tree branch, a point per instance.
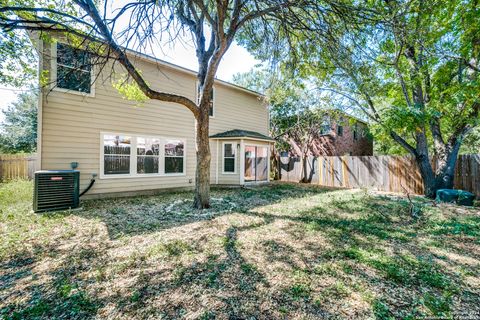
(91, 10)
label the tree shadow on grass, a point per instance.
(140, 215)
(383, 240)
(224, 286)
(58, 293)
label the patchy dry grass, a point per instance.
(279, 252)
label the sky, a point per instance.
(182, 52)
(236, 59)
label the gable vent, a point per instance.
(56, 190)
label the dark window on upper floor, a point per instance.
(355, 132)
(74, 69)
(340, 130)
(325, 127)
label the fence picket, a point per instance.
(17, 166)
(384, 173)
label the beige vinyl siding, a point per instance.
(237, 110)
(72, 124)
(228, 178)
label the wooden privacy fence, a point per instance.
(17, 166)
(384, 173)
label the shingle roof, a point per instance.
(237, 133)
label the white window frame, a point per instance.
(234, 148)
(257, 145)
(160, 157)
(214, 94)
(54, 75)
(133, 157)
(162, 144)
(132, 146)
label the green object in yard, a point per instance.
(460, 197)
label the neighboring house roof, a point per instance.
(238, 133)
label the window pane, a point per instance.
(148, 146)
(174, 148)
(173, 165)
(72, 79)
(76, 58)
(116, 144)
(116, 164)
(325, 129)
(229, 165)
(229, 151)
(340, 130)
(147, 164)
(262, 152)
(210, 109)
(262, 164)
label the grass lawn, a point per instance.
(278, 252)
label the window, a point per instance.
(74, 69)
(174, 156)
(228, 158)
(211, 111)
(355, 132)
(148, 155)
(339, 130)
(325, 127)
(116, 154)
(141, 156)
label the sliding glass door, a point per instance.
(256, 163)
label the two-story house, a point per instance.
(85, 123)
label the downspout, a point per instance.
(39, 103)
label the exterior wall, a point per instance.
(331, 144)
(71, 124)
(346, 145)
(217, 176)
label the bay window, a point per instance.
(140, 156)
(228, 158)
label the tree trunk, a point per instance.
(304, 169)
(202, 174)
(444, 175)
(430, 182)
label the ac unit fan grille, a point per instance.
(56, 190)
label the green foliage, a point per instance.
(19, 129)
(352, 257)
(18, 59)
(297, 111)
(374, 55)
(130, 90)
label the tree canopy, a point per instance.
(412, 67)
(19, 128)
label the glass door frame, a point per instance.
(244, 156)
